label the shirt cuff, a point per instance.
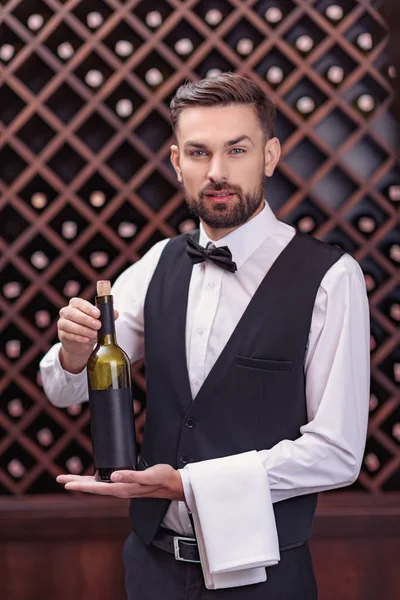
(187, 489)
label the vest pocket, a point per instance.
(264, 363)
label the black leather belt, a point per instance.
(183, 548)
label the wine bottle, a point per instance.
(110, 396)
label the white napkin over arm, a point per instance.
(230, 502)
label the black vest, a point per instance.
(254, 396)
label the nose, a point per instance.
(218, 170)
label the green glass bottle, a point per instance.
(110, 396)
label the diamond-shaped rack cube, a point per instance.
(36, 134)
(38, 193)
(66, 163)
(11, 165)
(13, 283)
(16, 402)
(34, 73)
(64, 42)
(305, 159)
(337, 11)
(307, 216)
(123, 41)
(305, 97)
(14, 342)
(365, 157)
(71, 281)
(184, 40)
(152, 15)
(304, 36)
(12, 44)
(275, 67)
(279, 189)
(366, 216)
(244, 38)
(127, 221)
(272, 12)
(92, 15)
(154, 131)
(338, 237)
(213, 64)
(335, 65)
(11, 104)
(154, 70)
(156, 190)
(213, 12)
(334, 188)
(12, 224)
(123, 95)
(126, 161)
(95, 132)
(65, 102)
(96, 192)
(336, 128)
(40, 253)
(41, 312)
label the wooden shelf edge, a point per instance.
(82, 517)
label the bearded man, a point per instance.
(256, 345)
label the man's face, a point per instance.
(221, 159)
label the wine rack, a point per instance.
(87, 187)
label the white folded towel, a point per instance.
(230, 501)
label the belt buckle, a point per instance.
(177, 539)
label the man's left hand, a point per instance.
(160, 481)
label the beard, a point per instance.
(225, 215)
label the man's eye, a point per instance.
(238, 150)
(198, 153)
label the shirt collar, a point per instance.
(244, 240)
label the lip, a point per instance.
(222, 196)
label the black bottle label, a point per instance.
(106, 318)
(112, 428)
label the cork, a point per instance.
(103, 288)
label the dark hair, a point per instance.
(224, 90)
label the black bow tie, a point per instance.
(220, 256)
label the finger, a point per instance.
(84, 306)
(139, 477)
(66, 477)
(119, 490)
(75, 338)
(116, 314)
(75, 315)
(93, 487)
(73, 328)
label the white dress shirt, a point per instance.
(329, 452)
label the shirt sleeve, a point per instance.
(129, 290)
(329, 452)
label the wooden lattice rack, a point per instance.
(87, 188)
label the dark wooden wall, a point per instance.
(70, 549)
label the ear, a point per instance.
(272, 155)
(175, 161)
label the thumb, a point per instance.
(124, 477)
(116, 314)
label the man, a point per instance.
(256, 341)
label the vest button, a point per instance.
(184, 459)
(190, 423)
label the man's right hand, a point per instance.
(77, 331)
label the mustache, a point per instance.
(218, 187)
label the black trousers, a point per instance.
(153, 574)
